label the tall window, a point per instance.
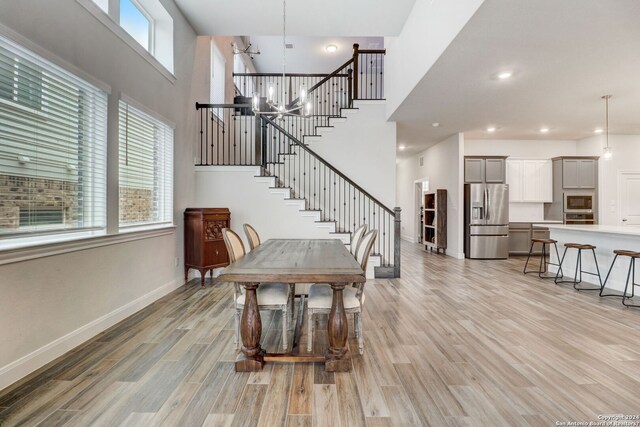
(52, 147)
(146, 168)
(136, 22)
(218, 76)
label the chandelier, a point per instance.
(279, 108)
(246, 51)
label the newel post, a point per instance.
(396, 242)
(356, 48)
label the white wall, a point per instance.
(443, 165)
(429, 29)
(364, 149)
(49, 305)
(535, 149)
(626, 157)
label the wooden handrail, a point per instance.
(327, 164)
(279, 75)
(323, 81)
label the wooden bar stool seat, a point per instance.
(577, 278)
(542, 268)
(631, 276)
(579, 246)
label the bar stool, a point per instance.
(579, 270)
(543, 258)
(630, 275)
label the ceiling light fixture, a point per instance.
(608, 153)
(331, 48)
(246, 51)
(599, 130)
(435, 124)
(505, 75)
(491, 129)
(544, 130)
(401, 147)
(279, 108)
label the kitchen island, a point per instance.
(606, 239)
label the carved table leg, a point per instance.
(338, 357)
(251, 358)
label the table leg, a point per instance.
(338, 357)
(251, 358)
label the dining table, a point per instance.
(295, 261)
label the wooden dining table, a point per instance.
(295, 261)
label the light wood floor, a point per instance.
(450, 343)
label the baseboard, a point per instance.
(22, 367)
(408, 238)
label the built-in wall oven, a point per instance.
(578, 208)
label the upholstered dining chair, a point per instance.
(357, 236)
(271, 296)
(254, 241)
(321, 295)
(252, 236)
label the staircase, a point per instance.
(231, 135)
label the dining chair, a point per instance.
(321, 295)
(254, 241)
(271, 296)
(357, 236)
(252, 236)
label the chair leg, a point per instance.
(632, 270)
(285, 326)
(606, 279)
(358, 327)
(237, 340)
(597, 273)
(556, 281)
(558, 256)
(524, 271)
(309, 329)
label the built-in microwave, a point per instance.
(578, 203)
(579, 218)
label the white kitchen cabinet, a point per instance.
(530, 180)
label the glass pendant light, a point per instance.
(607, 151)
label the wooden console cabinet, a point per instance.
(204, 247)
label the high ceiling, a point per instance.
(332, 18)
(564, 56)
(309, 54)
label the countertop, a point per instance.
(607, 229)
(542, 222)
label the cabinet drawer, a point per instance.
(215, 253)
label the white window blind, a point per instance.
(52, 147)
(146, 168)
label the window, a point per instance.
(104, 4)
(52, 147)
(146, 168)
(145, 25)
(217, 75)
(137, 23)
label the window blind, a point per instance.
(146, 168)
(52, 147)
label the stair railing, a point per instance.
(329, 191)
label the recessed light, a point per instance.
(544, 130)
(401, 147)
(505, 75)
(435, 124)
(599, 130)
(331, 48)
(491, 129)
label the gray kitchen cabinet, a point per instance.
(587, 175)
(579, 173)
(494, 171)
(478, 169)
(519, 238)
(473, 170)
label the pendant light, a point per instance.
(280, 108)
(607, 152)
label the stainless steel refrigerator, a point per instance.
(486, 218)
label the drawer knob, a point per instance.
(216, 252)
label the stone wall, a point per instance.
(24, 193)
(136, 205)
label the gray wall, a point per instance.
(43, 300)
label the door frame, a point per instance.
(621, 175)
(418, 194)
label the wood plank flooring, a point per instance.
(451, 343)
